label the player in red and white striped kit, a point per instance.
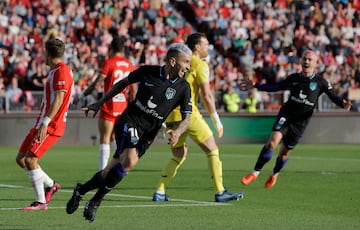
(50, 124)
(114, 69)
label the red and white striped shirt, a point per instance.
(115, 69)
(60, 78)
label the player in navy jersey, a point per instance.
(160, 90)
(294, 116)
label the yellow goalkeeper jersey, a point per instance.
(197, 75)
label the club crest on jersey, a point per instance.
(170, 93)
(313, 86)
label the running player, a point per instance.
(50, 124)
(114, 69)
(198, 130)
(161, 89)
(294, 116)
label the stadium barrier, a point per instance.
(268, 102)
(335, 127)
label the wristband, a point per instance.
(215, 119)
(46, 121)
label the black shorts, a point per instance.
(292, 131)
(128, 135)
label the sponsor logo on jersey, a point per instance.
(151, 104)
(302, 99)
(301, 95)
(170, 93)
(148, 110)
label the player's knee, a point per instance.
(20, 160)
(119, 170)
(271, 145)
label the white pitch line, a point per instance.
(139, 206)
(192, 202)
(296, 157)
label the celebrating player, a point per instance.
(294, 116)
(160, 90)
(49, 126)
(198, 130)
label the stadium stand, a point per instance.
(258, 39)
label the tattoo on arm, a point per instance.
(184, 124)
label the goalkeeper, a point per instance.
(198, 130)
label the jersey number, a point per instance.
(118, 76)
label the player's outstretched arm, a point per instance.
(117, 88)
(89, 89)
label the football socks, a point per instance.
(170, 171)
(104, 154)
(115, 175)
(37, 181)
(215, 169)
(264, 157)
(91, 184)
(279, 164)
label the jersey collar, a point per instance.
(311, 77)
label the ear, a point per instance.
(172, 61)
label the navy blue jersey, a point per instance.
(155, 99)
(304, 94)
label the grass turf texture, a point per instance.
(318, 189)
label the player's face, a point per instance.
(204, 48)
(182, 64)
(309, 63)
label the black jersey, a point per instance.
(304, 94)
(156, 98)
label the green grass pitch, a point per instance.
(318, 189)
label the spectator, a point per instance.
(14, 94)
(231, 100)
(251, 103)
(281, 25)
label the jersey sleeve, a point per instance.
(274, 87)
(329, 91)
(63, 79)
(186, 105)
(137, 75)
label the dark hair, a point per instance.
(118, 44)
(194, 39)
(55, 47)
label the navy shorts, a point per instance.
(129, 136)
(291, 130)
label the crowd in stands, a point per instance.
(257, 39)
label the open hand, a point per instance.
(246, 84)
(93, 107)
